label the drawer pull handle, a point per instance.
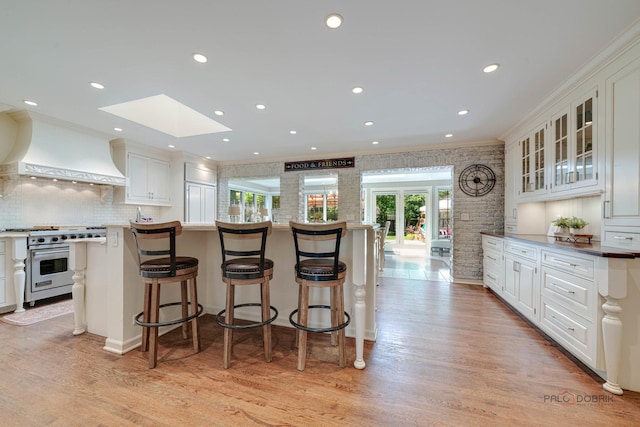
(622, 238)
(491, 258)
(563, 289)
(490, 277)
(560, 323)
(568, 264)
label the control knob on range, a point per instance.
(54, 239)
(40, 239)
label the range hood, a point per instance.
(47, 148)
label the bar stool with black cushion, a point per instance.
(160, 241)
(243, 247)
(318, 265)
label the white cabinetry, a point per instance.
(3, 274)
(532, 150)
(200, 203)
(569, 302)
(199, 193)
(622, 203)
(148, 175)
(492, 263)
(148, 180)
(573, 149)
(521, 278)
(510, 188)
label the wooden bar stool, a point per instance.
(243, 263)
(158, 271)
(318, 265)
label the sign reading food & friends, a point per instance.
(344, 162)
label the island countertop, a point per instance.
(593, 248)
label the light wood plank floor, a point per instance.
(446, 354)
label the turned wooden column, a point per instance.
(359, 274)
(19, 256)
(78, 263)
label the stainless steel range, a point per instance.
(47, 264)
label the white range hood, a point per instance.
(47, 148)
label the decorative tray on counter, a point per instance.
(573, 238)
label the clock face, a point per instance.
(477, 180)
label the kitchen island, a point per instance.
(114, 295)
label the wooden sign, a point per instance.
(344, 162)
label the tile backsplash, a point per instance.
(26, 202)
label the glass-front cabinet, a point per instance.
(574, 145)
(532, 153)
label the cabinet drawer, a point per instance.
(491, 278)
(524, 251)
(622, 239)
(3, 293)
(569, 262)
(492, 259)
(576, 334)
(573, 293)
(491, 243)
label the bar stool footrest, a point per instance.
(222, 323)
(330, 329)
(169, 322)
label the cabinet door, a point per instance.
(533, 152)
(622, 206)
(3, 282)
(574, 133)
(137, 171)
(193, 202)
(158, 181)
(511, 278)
(209, 205)
(527, 289)
(510, 188)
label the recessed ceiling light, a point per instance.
(208, 157)
(171, 146)
(261, 106)
(74, 182)
(314, 148)
(33, 177)
(333, 21)
(55, 179)
(225, 139)
(199, 58)
(91, 184)
(218, 113)
(32, 103)
(118, 129)
(449, 135)
(369, 123)
(376, 142)
(357, 90)
(96, 85)
(293, 132)
(463, 112)
(255, 153)
(491, 68)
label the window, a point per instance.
(444, 213)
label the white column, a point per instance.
(359, 274)
(19, 275)
(78, 263)
(613, 289)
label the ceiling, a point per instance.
(419, 63)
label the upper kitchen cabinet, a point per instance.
(574, 166)
(532, 151)
(148, 175)
(622, 198)
(511, 182)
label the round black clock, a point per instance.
(477, 180)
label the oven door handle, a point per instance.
(47, 253)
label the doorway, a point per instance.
(409, 214)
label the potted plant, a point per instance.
(576, 224)
(562, 223)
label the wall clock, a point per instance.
(477, 180)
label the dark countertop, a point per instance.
(593, 248)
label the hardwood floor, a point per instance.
(446, 354)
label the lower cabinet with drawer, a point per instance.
(579, 300)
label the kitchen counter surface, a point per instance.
(276, 226)
(593, 248)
